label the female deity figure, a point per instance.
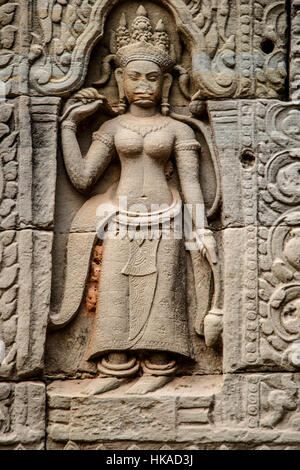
(141, 320)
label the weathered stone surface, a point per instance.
(242, 411)
(28, 142)
(238, 49)
(25, 284)
(155, 346)
(22, 415)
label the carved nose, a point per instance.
(143, 87)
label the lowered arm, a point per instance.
(187, 162)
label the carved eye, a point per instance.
(133, 76)
(153, 78)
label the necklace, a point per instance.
(144, 130)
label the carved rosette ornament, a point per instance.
(279, 239)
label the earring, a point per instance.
(165, 107)
(122, 106)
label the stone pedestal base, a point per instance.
(237, 411)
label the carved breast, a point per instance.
(157, 144)
(129, 144)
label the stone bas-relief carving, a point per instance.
(28, 133)
(142, 273)
(244, 412)
(237, 47)
(153, 345)
(22, 415)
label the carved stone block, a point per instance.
(22, 415)
(241, 412)
(238, 47)
(25, 283)
(145, 341)
(28, 152)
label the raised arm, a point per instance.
(84, 171)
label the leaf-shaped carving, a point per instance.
(86, 8)
(10, 171)
(78, 27)
(7, 12)
(6, 73)
(281, 271)
(8, 296)
(222, 17)
(65, 34)
(11, 189)
(5, 58)
(7, 36)
(265, 290)
(7, 237)
(8, 154)
(1, 183)
(11, 357)
(5, 112)
(212, 40)
(71, 15)
(267, 327)
(10, 221)
(42, 8)
(46, 25)
(278, 297)
(9, 140)
(293, 218)
(10, 254)
(6, 207)
(8, 276)
(4, 129)
(45, 74)
(56, 13)
(9, 330)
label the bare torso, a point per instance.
(144, 147)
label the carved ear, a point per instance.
(165, 107)
(122, 101)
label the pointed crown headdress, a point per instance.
(141, 43)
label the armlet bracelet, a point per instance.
(105, 139)
(188, 145)
(69, 125)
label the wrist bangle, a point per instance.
(69, 125)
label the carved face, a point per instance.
(142, 81)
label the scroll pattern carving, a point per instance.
(295, 51)
(230, 58)
(271, 399)
(211, 18)
(8, 302)
(279, 238)
(61, 24)
(9, 168)
(269, 46)
(8, 35)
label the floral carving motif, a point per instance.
(8, 34)
(8, 170)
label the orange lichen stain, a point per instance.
(92, 288)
